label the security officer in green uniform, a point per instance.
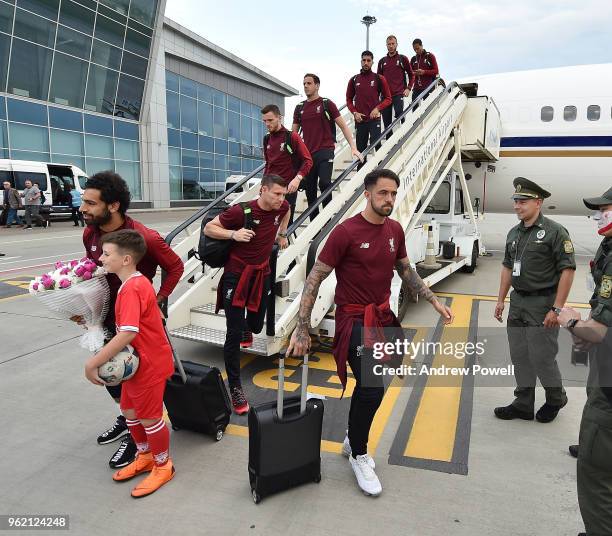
(594, 471)
(539, 265)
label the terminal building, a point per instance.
(113, 84)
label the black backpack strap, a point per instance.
(248, 215)
(380, 65)
(288, 144)
(299, 109)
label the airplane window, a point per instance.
(547, 113)
(593, 112)
(569, 113)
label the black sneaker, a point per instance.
(126, 453)
(117, 431)
(508, 413)
(548, 413)
(573, 450)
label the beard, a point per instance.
(383, 211)
(102, 219)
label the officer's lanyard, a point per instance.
(516, 268)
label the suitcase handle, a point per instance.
(177, 361)
(280, 397)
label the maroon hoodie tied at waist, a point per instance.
(243, 296)
(374, 317)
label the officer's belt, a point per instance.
(542, 292)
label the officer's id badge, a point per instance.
(606, 286)
(590, 282)
(541, 234)
(568, 247)
(516, 269)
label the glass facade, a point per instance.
(211, 135)
(89, 58)
(33, 131)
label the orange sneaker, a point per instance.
(158, 477)
(142, 464)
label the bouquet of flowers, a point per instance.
(77, 288)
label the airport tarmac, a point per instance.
(447, 465)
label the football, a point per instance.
(119, 368)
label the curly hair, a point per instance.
(112, 189)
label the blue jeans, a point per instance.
(11, 216)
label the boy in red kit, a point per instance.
(139, 324)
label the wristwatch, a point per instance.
(571, 323)
(556, 310)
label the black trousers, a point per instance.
(320, 175)
(291, 199)
(237, 323)
(365, 134)
(368, 394)
(397, 106)
(77, 217)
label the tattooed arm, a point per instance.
(417, 287)
(300, 340)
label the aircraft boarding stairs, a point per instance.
(423, 150)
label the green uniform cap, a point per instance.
(593, 203)
(526, 189)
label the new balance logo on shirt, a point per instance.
(364, 245)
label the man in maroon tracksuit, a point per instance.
(104, 205)
(398, 72)
(245, 284)
(425, 68)
(367, 94)
(285, 154)
(317, 118)
(363, 250)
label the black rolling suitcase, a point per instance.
(196, 398)
(285, 440)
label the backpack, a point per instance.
(212, 251)
(402, 59)
(332, 124)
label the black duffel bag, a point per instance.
(214, 252)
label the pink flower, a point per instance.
(59, 264)
(91, 266)
(48, 283)
(65, 271)
(86, 276)
(64, 283)
(35, 286)
(79, 271)
(84, 259)
(73, 263)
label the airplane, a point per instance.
(556, 129)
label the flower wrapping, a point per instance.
(77, 288)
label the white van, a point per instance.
(52, 180)
(234, 179)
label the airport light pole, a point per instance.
(368, 20)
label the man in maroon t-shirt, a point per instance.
(363, 250)
(398, 72)
(104, 205)
(367, 94)
(425, 68)
(245, 283)
(317, 118)
(285, 154)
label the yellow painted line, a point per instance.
(570, 153)
(482, 297)
(433, 432)
(388, 403)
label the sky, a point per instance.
(468, 37)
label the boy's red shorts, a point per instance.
(147, 402)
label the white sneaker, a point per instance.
(347, 451)
(366, 477)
